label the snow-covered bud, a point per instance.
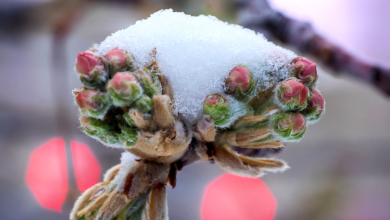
(315, 106)
(124, 89)
(92, 103)
(92, 70)
(144, 104)
(240, 83)
(224, 110)
(292, 95)
(119, 61)
(304, 70)
(289, 127)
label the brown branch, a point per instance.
(259, 16)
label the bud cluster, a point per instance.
(266, 116)
(130, 108)
(112, 88)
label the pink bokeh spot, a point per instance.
(232, 197)
(86, 166)
(47, 174)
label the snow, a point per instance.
(196, 54)
(128, 161)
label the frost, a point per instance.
(128, 160)
(196, 54)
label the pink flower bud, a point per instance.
(85, 99)
(290, 127)
(239, 78)
(124, 89)
(304, 70)
(92, 103)
(316, 106)
(118, 59)
(87, 63)
(292, 94)
(298, 122)
(121, 81)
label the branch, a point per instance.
(259, 16)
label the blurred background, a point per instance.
(340, 170)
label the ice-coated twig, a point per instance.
(259, 16)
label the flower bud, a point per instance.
(292, 95)
(239, 79)
(240, 84)
(304, 70)
(144, 104)
(124, 89)
(289, 127)
(217, 107)
(119, 61)
(149, 81)
(92, 103)
(315, 106)
(223, 110)
(91, 69)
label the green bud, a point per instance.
(149, 82)
(103, 130)
(144, 104)
(96, 127)
(224, 110)
(128, 120)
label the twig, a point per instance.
(259, 16)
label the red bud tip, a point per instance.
(86, 62)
